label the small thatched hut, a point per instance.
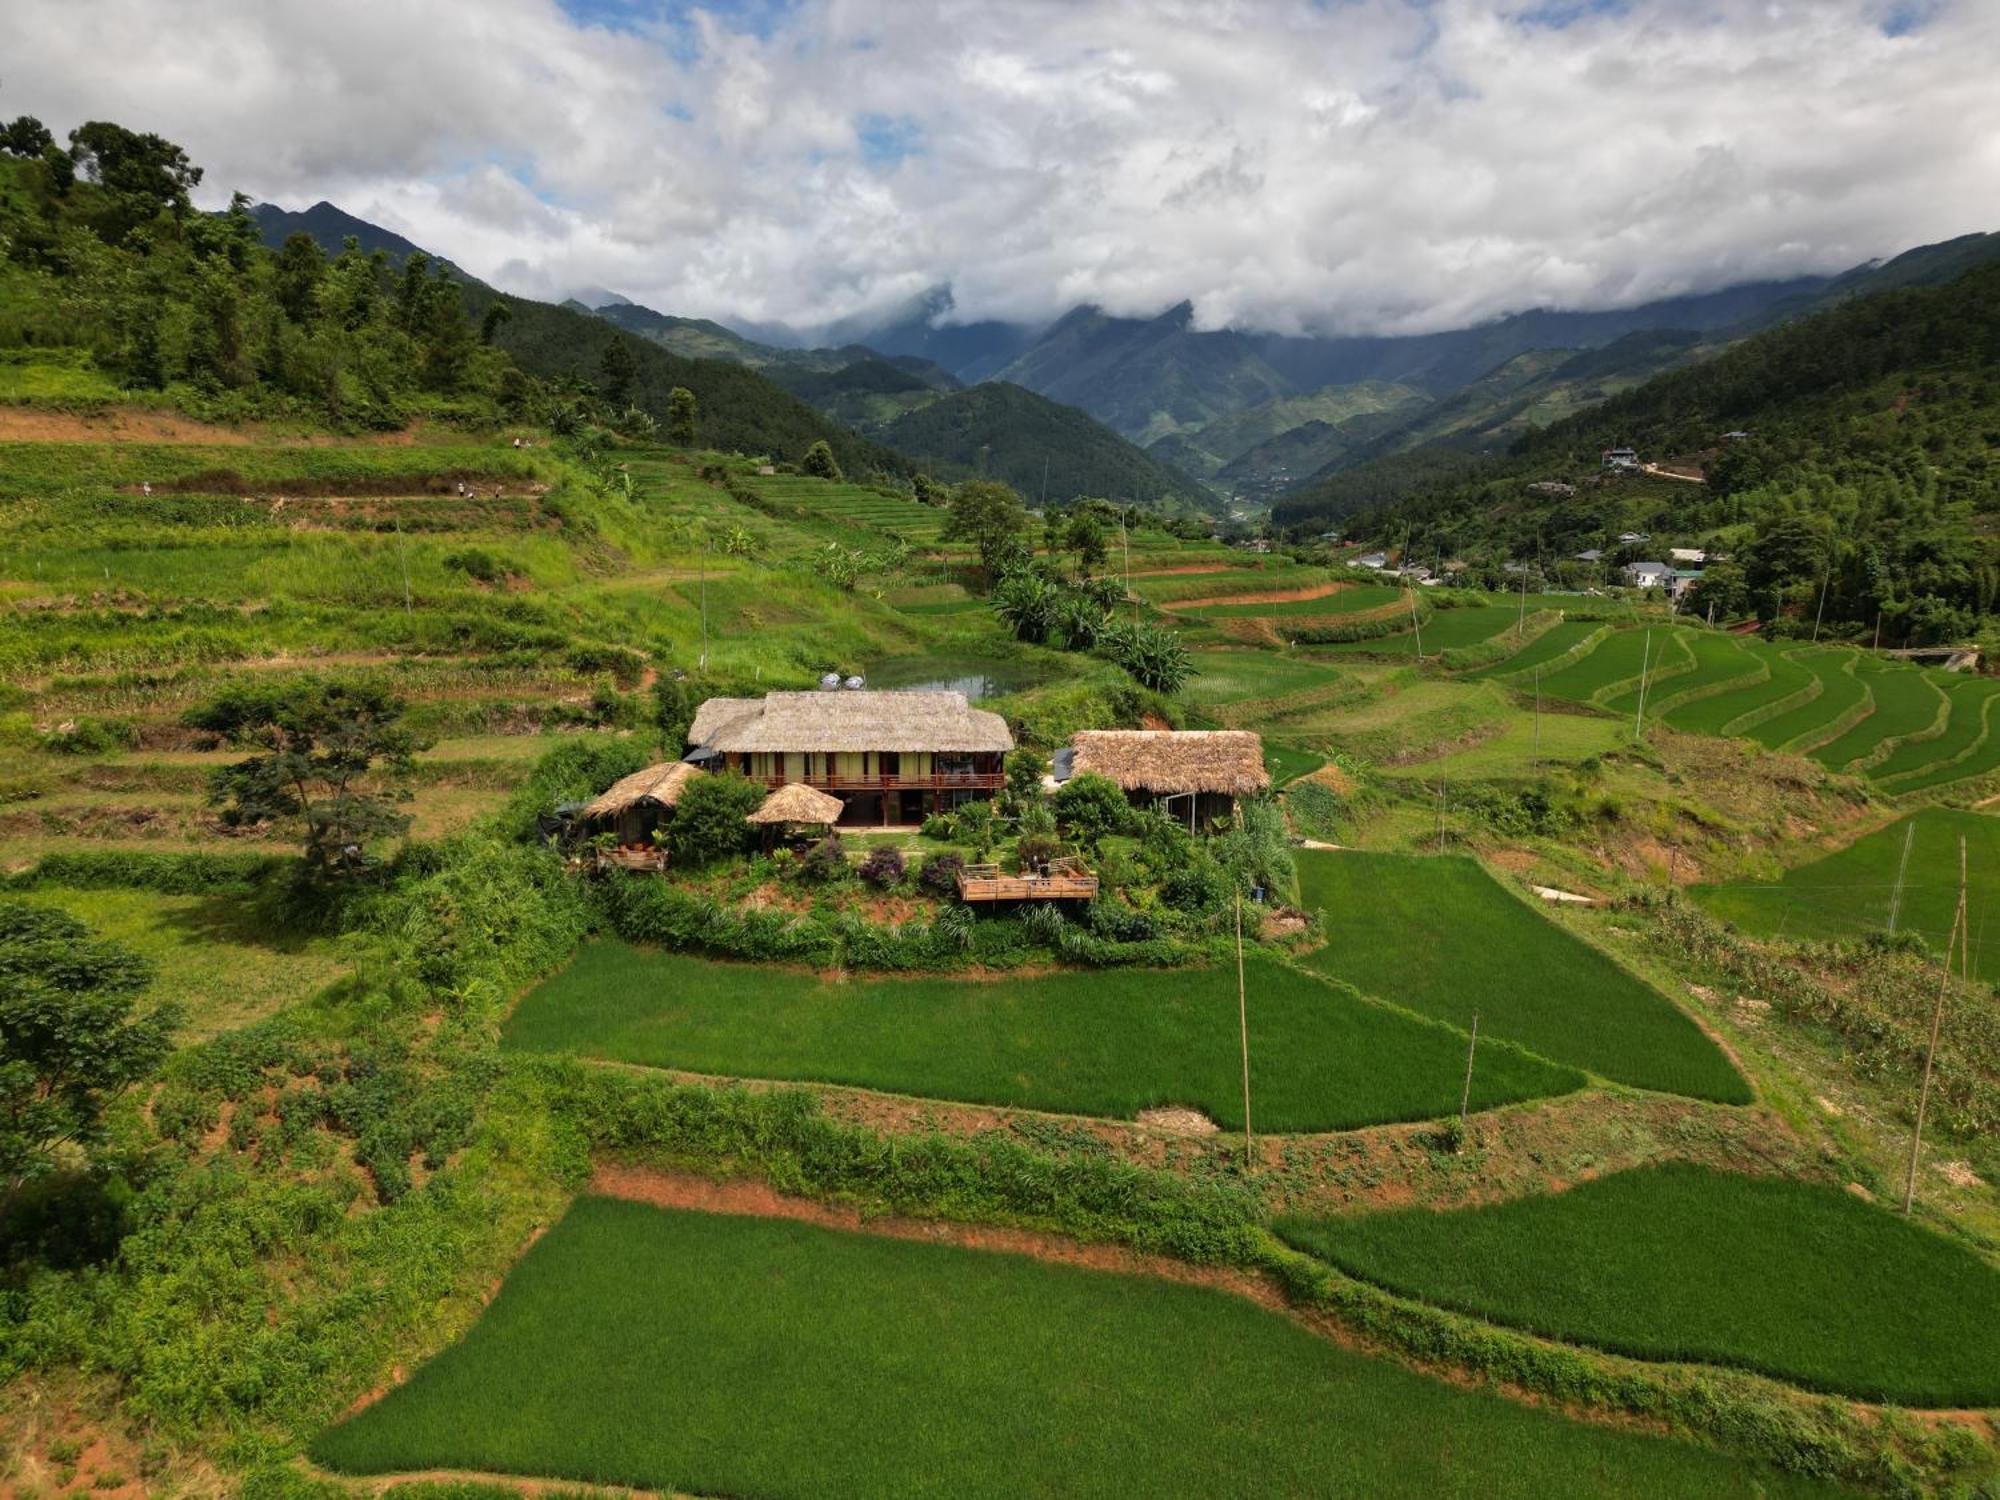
(1193, 773)
(797, 803)
(635, 805)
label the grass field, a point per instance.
(1848, 893)
(1798, 1281)
(1227, 677)
(713, 1355)
(215, 956)
(1440, 936)
(1520, 749)
(1105, 1043)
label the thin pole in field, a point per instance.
(1416, 622)
(704, 605)
(1937, 1025)
(403, 555)
(1243, 1023)
(1465, 1097)
(1538, 715)
(1902, 869)
(1521, 620)
(1645, 670)
(1825, 579)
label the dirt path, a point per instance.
(1659, 473)
(1268, 596)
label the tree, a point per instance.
(25, 136)
(1085, 538)
(69, 1039)
(323, 747)
(990, 516)
(1091, 806)
(673, 712)
(683, 417)
(708, 819)
(301, 266)
(618, 369)
(1025, 770)
(820, 462)
(928, 491)
(142, 176)
(498, 315)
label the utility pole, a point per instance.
(1825, 579)
(1465, 1097)
(1521, 620)
(1937, 1024)
(1243, 1023)
(704, 604)
(1902, 869)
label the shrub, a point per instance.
(708, 820)
(88, 736)
(883, 866)
(476, 563)
(939, 875)
(977, 828)
(1197, 886)
(1091, 806)
(826, 862)
(820, 462)
(938, 826)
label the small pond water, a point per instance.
(975, 676)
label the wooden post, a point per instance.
(1937, 1025)
(1243, 1022)
(1902, 869)
(1465, 1098)
(1824, 581)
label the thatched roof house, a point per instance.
(1199, 771)
(889, 756)
(635, 803)
(782, 723)
(798, 803)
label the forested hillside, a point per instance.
(1039, 446)
(1857, 450)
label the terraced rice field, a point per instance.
(1444, 631)
(1906, 702)
(1440, 936)
(1851, 892)
(1231, 677)
(709, 1354)
(1347, 600)
(1840, 693)
(1108, 1043)
(1964, 730)
(1619, 657)
(854, 505)
(1785, 676)
(1558, 640)
(1712, 662)
(1680, 1262)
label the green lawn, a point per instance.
(1678, 1262)
(714, 1355)
(1440, 936)
(1848, 893)
(1110, 1043)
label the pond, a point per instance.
(975, 676)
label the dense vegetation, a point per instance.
(944, 1371)
(1677, 1262)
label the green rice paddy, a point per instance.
(716, 1355)
(1798, 1281)
(1963, 732)
(1445, 630)
(1109, 1042)
(1906, 701)
(1850, 893)
(1618, 658)
(1841, 692)
(1440, 936)
(1714, 715)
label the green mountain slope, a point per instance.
(1009, 433)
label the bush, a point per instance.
(87, 736)
(977, 828)
(1090, 806)
(939, 875)
(708, 820)
(883, 866)
(938, 826)
(826, 862)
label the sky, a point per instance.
(1329, 166)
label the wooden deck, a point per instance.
(1065, 880)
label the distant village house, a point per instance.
(1647, 575)
(890, 757)
(1620, 460)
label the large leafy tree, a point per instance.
(708, 819)
(333, 755)
(70, 1040)
(142, 176)
(990, 516)
(683, 417)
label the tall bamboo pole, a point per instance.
(1465, 1098)
(1958, 935)
(1243, 1022)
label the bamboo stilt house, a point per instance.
(889, 757)
(635, 805)
(1195, 774)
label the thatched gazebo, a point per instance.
(797, 804)
(635, 805)
(1196, 773)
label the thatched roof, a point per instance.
(1174, 761)
(661, 784)
(797, 803)
(834, 721)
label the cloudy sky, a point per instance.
(1329, 165)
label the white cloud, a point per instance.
(1353, 165)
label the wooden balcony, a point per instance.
(1063, 880)
(944, 781)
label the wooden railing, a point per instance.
(937, 781)
(1060, 880)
